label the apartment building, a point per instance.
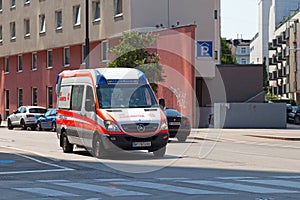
(41, 38)
(270, 14)
(240, 48)
(284, 70)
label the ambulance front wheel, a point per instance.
(98, 149)
(160, 152)
(66, 145)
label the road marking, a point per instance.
(235, 177)
(172, 179)
(60, 168)
(275, 182)
(287, 177)
(46, 192)
(110, 191)
(168, 188)
(6, 162)
(110, 179)
(239, 187)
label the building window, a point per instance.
(26, 2)
(12, 31)
(6, 65)
(42, 23)
(96, 11)
(76, 15)
(58, 20)
(34, 61)
(243, 50)
(216, 14)
(34, 96)
(244, 61)
(216, 55)
(20, 67)
(118, 8)
(50, 97)
(1, 37)
(7, 103)
(12, 4)
(104, 51)
(27, 28)
(67, 56)
(20, 97)
(49, 59)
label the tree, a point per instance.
(227, 57)
(132, 52)
(265, 75)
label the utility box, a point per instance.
(249, 115)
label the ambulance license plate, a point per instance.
(141, 144)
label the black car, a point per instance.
(293, 116)
(178, 124)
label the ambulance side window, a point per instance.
(76, 98)
(89, 99)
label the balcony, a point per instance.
(270, 46)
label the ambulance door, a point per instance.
(89, 116)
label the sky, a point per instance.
(239, 18)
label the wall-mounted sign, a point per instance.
(204, 49)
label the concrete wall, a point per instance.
(249, 115)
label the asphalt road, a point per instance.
(213, 164)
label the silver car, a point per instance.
(25, 116)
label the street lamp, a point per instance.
(87, 40)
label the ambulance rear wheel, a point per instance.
(98, 149)
(66, 145)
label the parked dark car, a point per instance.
(47, 121)
(293, 115)
(178, 124)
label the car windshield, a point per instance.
(125, 96)
(294, 109)
(37, 110)
(172, 113)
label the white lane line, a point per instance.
(110, 179)
(109, 191)
(60, 168)
(47, 192)
(172, 179)
(293, 184)
(239, 187)
(168, 188)
(235, 177)
(287, 177)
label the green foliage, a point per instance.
(227, 57)
(131, 52)
(271, 97)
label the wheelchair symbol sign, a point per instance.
(204, 49)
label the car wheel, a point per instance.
(98, 149)
(53, 127)
(160, 152)
(297, 120)
(181, 137)
(23, 125)
(66, 145)
(9, 125)
(38, 126)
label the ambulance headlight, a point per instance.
(111, 126)
(164, 125)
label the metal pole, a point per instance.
(87, 40)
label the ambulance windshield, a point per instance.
(125, 96)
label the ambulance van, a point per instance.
(108, 109)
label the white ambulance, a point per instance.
(107, 109)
